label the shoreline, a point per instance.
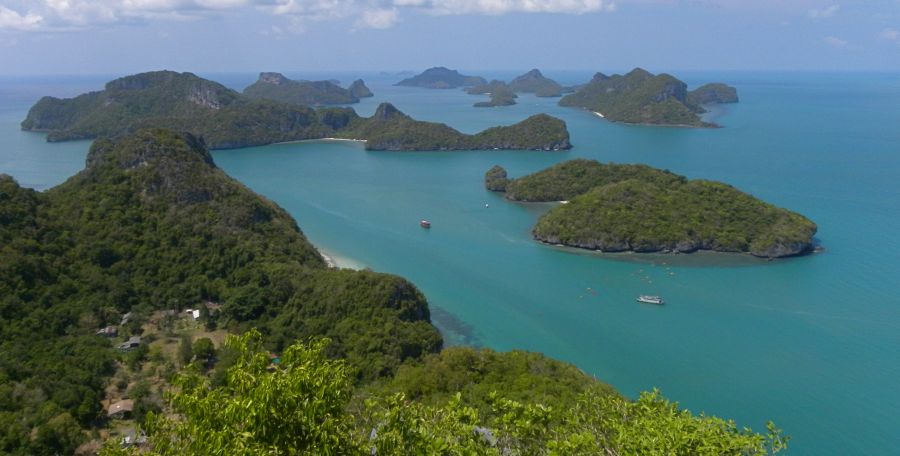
(335, 261)
(635, 254)
(710, 125)
(296, 141)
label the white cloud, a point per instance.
(824, 13)
(496, 7)
(62, 15)
(10, 19)
(835, 42)
(378, 19)
(890, 34)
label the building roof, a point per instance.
(123, 406)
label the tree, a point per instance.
(204, 351)
(185, 350)
(302, 407)
(299, 408)
(61, 435)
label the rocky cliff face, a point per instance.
(272, 78)
(495, 179)
(204, 95)
(359, 90)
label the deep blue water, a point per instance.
(812, 343)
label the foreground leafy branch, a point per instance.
(302, 406)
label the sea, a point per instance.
(811, 343)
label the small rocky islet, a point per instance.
(637, 208)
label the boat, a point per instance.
(425, 224)
(651, 299)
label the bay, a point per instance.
(812, 342)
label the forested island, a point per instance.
(505, 94)
(441, 78)
(640, 97)
(390, 129)
(227, 119)
(536, 83)
(617, 208)
(500, 93)
(274, 86)
(151, 227)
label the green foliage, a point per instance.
(173, 231)
(135, 357)
(302, 406)
(390, 129)
(566, 180)
(713, 93)
(495, 179)
(500, 93)
(204, 350)
(654, 426)
(296, 408)
(359, 89)
(185, 350)
(522, 376)
(635, 207)
(274, 86)
(441, 78)
(226, 119)
(60, 435)
(535, 82)
(538, 132)
(639, 98)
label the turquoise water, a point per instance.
(812, 343)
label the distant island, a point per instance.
(359, 89)
(535, 82)
(500, 93)
(441, 78)
(640, 97)
(275, 86)
(618, 208)
(390, 129)
(505, 94)
(227, 119)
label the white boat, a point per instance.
(651, 299)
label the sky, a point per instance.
(127, 36)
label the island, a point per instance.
(359, 89)
(636, 208)
(390, 129)
(500, 93)
(152, 288)
(713, 93)
(535, 82)
(640, 97)
(441, 78)
(274, 86)
(226, 119)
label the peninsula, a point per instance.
(441, 78)
(640, 97)
(226, 119)
(617, 208)
(274, 86)
(96, 271)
